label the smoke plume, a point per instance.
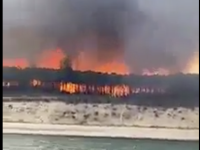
(146, 35)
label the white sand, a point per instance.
(100, 115)
(100, 120)
(95, 131)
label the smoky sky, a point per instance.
(146, 34)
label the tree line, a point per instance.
(177, 82)
(181, 89)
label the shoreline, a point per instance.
(101, 131)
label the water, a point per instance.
(26, 142)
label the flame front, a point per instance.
(193, 65)
(71, 88)
(86, 62)
(20, 62)
(83, 62)
(50, 59)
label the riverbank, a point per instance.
(47, 116)
(97, 131)
(88, 114)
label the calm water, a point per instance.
(22, 142)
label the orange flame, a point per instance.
(71, 88)
(47, 59)
(22, 63)
(52, 59)
(86, 62)
(193, 65)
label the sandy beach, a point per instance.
(97, 131)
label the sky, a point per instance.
(165, 35)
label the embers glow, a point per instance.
(71, 88)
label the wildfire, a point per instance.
(113, 67)
(85, 62)
(193, 65)
(159, 71)
(20, 62)
(116, 91)
(50, 59)
(47, 59)
(71, 88)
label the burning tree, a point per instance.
(65, 64)
(91, 82)
(173, 89)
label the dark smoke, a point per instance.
(68, 22)
(146, 35)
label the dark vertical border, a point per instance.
(2, 67)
